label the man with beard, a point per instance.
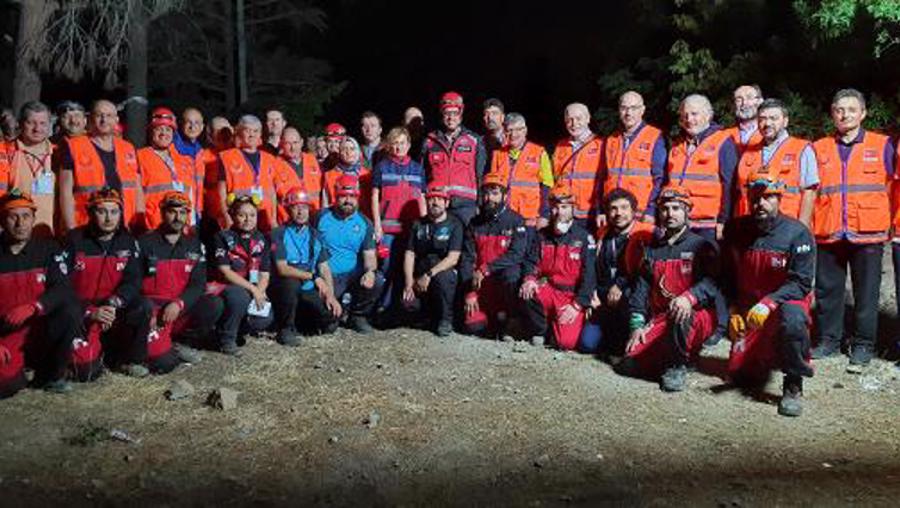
(350, 239)
(105, 271)
(673, 297)
(560, 274)
(494, 118)
(429, 265)
(745, 134)
(576, 162)
(769, 259)
(493, 250)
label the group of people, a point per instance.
(631, 246)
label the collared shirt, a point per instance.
(844, 150)
(345, 238)
(809, 168)
(747, 133)
(302, 248)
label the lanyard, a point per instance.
(170, 164)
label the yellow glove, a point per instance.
(736, 327)
(758, 315)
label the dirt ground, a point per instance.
(405, 418)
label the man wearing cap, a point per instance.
(164, 169)
(105, 271)
(454, 158)
(430, 262)
(174, 271)
(672, 304)
(100, 159)
(303, 290)
(490, 268)
(560, 274)
(350, 239)
(768, 259)
(275, 124)
(576, 162)
(35, 310)
(494, 118)
(31, 164)
(71, 121)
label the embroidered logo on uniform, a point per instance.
(193, 256)
(531, 160)
(236, 168)
(644, 147)
(79, 265)
(123, 254)
(803, 249)
(79, 343)
(870, 155)
(463, 148)
(593, 150)
(504, 242)
(41, 278)
(256, 249)
(64, 268)
(577, 244)
(188, 268)
(120, 267)
(220, 253)
(788, 158)
(442, 236)
(687, 255)
(129, 157)
(779, 262)
(520, 229)
(575, 255)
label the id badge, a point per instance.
(178, 186)
(257, 192)
(254, 277)
(42, 185)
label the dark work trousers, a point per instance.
(126, 341)
(463, 209)
(437, 302)
(304, 310)
(392, 268)
(235, 318)
(721, 303)
(194, 326)
(678, 338)
(362, 300)
(832, 260)
(895, 257)
(47, 347)
(795, 343)
(607, 330)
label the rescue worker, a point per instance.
(672, 304)
(71, 121)
(769, 259)
(187, 138)
(174, 280)
(704, 158)
(792, 160)
(31, 164)
(494, 118)
(219, 137)
(430, 262)
(559, 274)
(334, 135)
(303, 165)
(99, 159)
(746, 134)
(620, 247)
(527, 171)
(851, 221)
(35, 311)
(303, 291)
(246, 170)
(454, 158)
(576, 161)
(634, 158)
(164, 169)
(494, 248)
(242, 257)
(4, 170)
(106, 275)
(350, 240)
(370, 129)
(275, 124)
(350, 163)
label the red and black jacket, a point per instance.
(104, 273)
(456, 164)
(242, 253)
(567, 262)
(172, 273)
(685, 267)
(770, 263)
(36, 275)
(493, 244)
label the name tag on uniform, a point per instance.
(178, 186)
(257, 192)
(254, 277)
(42, 185)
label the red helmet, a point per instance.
(451, 100)
(162, 117)
(335, 130)
(296, 196)
(437, 191)
(347, 185)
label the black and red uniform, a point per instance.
(36, 276)
(175, 273)
(107, 273)
(686, 267)
(564, 266)
(496, 246)
(457, 165)
(771, 263)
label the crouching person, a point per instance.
(673, 297)
(350, 240)
(36, 311)
(493, 250)
(303, 291)
(243, 258)
(560, 274)
(174, 267)
(769, 261)
(105, 271)
(429, 265)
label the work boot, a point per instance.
(230, 348)
(826, 348)
(186, 354)
(791, 403)
(289, 337)
(674, 379)
(134, 370)
(444, 328)
(360, 324)
(58, 386)
(331, 327)
(713, 340)
(537, 341)
(860, 356)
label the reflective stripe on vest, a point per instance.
(523, 178)
(701, 169)
(630, 168)
(785, 164)
(89, 175)
(580, 168)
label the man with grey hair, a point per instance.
(31, 167)
(576, 162)
(745, 134)
(245, 170)
(851, 223)
(634, 158)
(527, 171)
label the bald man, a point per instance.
(577, 160)
(634, 158)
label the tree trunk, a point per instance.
(228, 35)
(240, 30)
(33, 15)
(136, 105)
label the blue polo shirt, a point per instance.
(302, 248)
(346, 239)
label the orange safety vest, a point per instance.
(629, 168)
(580, 169)
(523, 178)
(311, 182)
(241, 179)
(853, 201)
(89, 176)
(157, 178)
(756, 139)
(4, 170)
(784, 163)
(700, 173)
(209, 159)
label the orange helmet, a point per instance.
(562, 193)
(105, 195)
(175, 199)
(674, 192)
(15, 198)
(765, 183)
(495, 179)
